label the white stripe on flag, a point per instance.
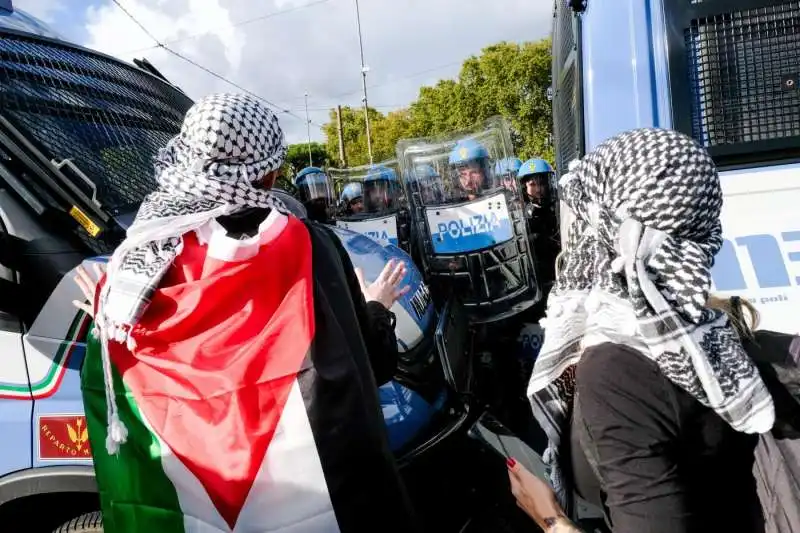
(290, 494)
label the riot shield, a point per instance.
(472, 231)
(380, 212)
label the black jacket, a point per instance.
(375, 322)
(777, 456)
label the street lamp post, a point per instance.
(308, 133)
(364, 70)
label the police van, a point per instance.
(726, 73)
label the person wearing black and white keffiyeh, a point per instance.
(631, 291)
(214, 218)
(228, 144)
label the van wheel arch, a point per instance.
(47, 498)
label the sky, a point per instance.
(283, 49)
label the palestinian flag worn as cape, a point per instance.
(247, 401)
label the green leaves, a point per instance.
(508, 79)
(297, 156)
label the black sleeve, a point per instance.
(773, 354)
(375, 321)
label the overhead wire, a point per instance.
(234, 25)
(220, 77)
(404, 77)
(395, 79)
(283, 109)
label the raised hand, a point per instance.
(385, 288)
(88, 286)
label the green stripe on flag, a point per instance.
(135, 493)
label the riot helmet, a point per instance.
(505, 172)
(470, 162)
(535, 177)
(427, 183)
(381, 190)
(314, 192)
(352, 199)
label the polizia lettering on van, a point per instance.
(772, 265)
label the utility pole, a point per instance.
(308, 133)
(364, 70)
(340, 130)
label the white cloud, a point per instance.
(46, 10)
(112, 31)
(312, 45)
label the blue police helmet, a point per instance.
(508, 165)
(380, 173)
(424, 172)
(310, 175)
(351, 191)
(467, 150)
(534, 166)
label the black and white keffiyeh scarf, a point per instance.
(636, 270)
(227, 143)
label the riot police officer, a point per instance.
(381, 190)
(536, 179)
(314, 192)
(475, 247)
(505, 172)
(427, 183)
(471, 163)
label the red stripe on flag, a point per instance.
(217, 353)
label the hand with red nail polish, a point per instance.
(537, 499)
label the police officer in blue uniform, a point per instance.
(536, 179)
(384, 214)
(475, 248)
(471, 163)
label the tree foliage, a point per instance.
(507, 79)
(297, 156)
(384, 128)
(297, 159)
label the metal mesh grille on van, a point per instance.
(109, 117)
(744, 70)
(566, 110)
